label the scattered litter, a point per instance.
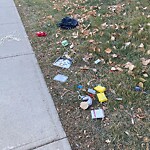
(108, 50)
(64, 43)
(60, 78)
(87, 57)
(91, 91)
(119, 99)
(142, 79)
(79, 86)
(100, 89)
(140, 84)
(137, 88)
(72, 45)
(145, 75)
(41, 34)
(84, 105)
(63, 62)
(88, 99)
(97, 61)
(9, 38)
(101, 97)
(68, 23)
(99, 113)
(87, 103)
(108, 141)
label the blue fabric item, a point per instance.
(68, 23)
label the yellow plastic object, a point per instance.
(100, 89)
(101, 97)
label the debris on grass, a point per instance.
(91, 91)
(61, 78)
(41, 34)
(88, 102)
(98, 113)
(97, 61)
(64, 43)
(79, 86)
(108, 50)
(137, 88)
(63, 62)
(101, 97)
(100, 89)
(68, 23)
(119, 99)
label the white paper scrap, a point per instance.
(60, 78)
(99, 113)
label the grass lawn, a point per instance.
(118, 33)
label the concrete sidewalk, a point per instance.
(28, 118)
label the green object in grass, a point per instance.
(64, 43)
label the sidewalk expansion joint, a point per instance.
(47, 143)
(17, 55)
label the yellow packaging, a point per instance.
(101, 97)
(100, 89)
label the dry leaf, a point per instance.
(72, 45)
(108, 141)
(141, 84)
(130, 66)
(108, 50)
(91, 41)
(114, 55)
(127, 44)
(146, 139)
(112, 38)
(87, 57)
(141, 45)
(145, 62)
(75, 35)
(104, 25)
(148, 52)
(113, 69)
(145, 75)
(142, 79)
(119, 69)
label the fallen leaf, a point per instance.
(145, 75)
(75, 35)
(87, 57)
(113, 69)
(141, 45)
(145, 62)
(108, 50)
(146, 139)
(108, 141)
(119, 69)
(130, 66)
(148, 52)
(72, 45)
(112, 38)
(104, 25)
(127, 44)
(142, 79)
(114, 55)
(91, 41)
(141, 84)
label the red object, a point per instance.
(40, 34)
(91, 95)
